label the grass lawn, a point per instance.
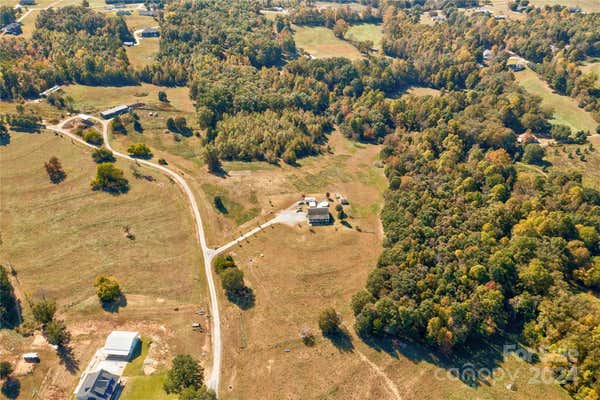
(364, 32)
(320, 42)
(135, 366)
(146, 388)
(586, 5)
(59, 238)
(143, 54)
(565, 108)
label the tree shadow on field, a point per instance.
(11, 388)
(67, 358)
(115, 305)
(341, 340)
(243, 298)
(474, 365)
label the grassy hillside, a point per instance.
(320, 42)
(566, 111)
(59, 238)
(363, 32)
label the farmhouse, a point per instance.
(527, 137)
(150, 32)
(98, 385)
(147, 13)
(318, 214)
(113, 112)
(121, 344)
(13, 29)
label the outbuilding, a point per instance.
(31, 357)
(121, 344)
(113, 112)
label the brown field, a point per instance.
(60, 237)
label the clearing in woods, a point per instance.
(578, 158)
(566, 111)
(59, 238)
(320, 42)
(364, 32)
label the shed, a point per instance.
(121, 344)
(112, 112)
(98, 385)
(31, 357)
(27, 2)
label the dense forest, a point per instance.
(70, 44)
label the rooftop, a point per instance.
(120, 343)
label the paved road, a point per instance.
(208, 254)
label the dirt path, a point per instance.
(288, 216)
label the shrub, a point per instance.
(139, 150)
(44, 310)
(223, 262)
(329, 321)
(57, 334)
(55, 170)
(107, 288)
(93, 137)
(534, 154)
(110, 179)
(117, 126)
(232, 280)
(102, 155)
(162, 97)
(5, 369)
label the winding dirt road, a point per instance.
(288, 216)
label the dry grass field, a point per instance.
(320, 42)
(585, 5)
(331, 4)
(59, 238)
(566, 111)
